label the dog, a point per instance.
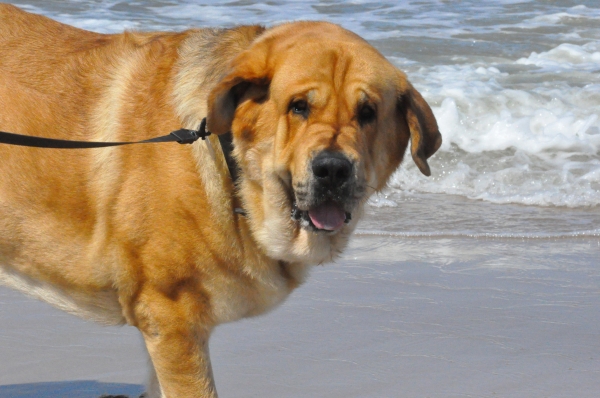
(152, 235)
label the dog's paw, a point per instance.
(117, 396)
(144, 395)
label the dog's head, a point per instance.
(320, 121)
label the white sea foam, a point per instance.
(567, 57)
(509, 138)
(575, 14)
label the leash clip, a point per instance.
(185, 136)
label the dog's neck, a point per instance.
(203, 63)
(204, 58)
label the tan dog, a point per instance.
(147, 234)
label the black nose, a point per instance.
(331, 168)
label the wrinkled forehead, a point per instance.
(345, 66)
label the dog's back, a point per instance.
(51, 72)
(62, 82)
(70, 219)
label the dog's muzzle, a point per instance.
(326, 205)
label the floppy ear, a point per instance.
(425, 138)
(248, 75)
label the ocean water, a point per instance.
(480, 281)
(515, 86)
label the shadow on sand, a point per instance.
(70, 389)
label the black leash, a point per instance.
(182, 136)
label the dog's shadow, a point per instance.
(71, 389)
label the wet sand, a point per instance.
(411, 317)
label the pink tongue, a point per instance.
(328, 216)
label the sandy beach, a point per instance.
(411, 317)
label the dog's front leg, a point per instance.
(176, 334)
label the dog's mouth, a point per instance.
(327, 216)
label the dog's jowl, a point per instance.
(160, 236)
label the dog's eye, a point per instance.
(299, 107)
(366, 114)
